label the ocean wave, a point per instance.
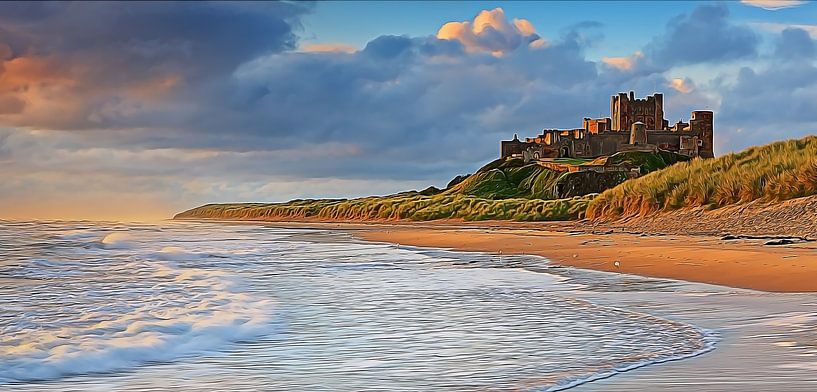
(187, 312)
(118, 240)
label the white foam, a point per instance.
(175, 253)
(710, 338)
(118, 240)
(160, 330)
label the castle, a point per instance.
(634, 125)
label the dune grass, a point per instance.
(502, 189)
(772, 173)
(505, 189)
(417, 208)
(505, 179)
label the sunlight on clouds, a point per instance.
(26, 82)
(329, 47)
(623, 63)
(491, 32)
(155, 87)
(44, 92)
(683, 86)
(773, 5)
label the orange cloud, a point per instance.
(330, 47)
(623, 63)
(44, 92)
(22, 72)
(40, 89)
(524, 26)
(156, 87)
(773, 5)
(683, 86)
(491, 32)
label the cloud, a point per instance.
(795, 43)
(752, 112)
(330, 47)
(623, 63)
(130, 57)
(491, 32)
(223, 104)
(683, 86)
(773, 5)
(779, 27)
(704, 36)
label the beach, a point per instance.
(245, 306)
(734, 261)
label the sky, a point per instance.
(136, 111)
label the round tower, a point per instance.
(638, 133)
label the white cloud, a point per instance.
(683, 86)
(623, 63)
(329, 47)
(773, 5)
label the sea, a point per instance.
(192, 306)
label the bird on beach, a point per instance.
(617, 264)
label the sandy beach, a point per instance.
(743, 262)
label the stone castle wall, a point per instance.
(606, 136)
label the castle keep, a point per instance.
(633, 125)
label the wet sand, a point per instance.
(735, 263)
(764, 340)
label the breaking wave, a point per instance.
(119, 312)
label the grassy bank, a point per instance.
(418, 208)
(771, 173)
(501, 190)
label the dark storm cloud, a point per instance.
(705, 35)
(191, 34)
(112, 65)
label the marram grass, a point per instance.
(501, 190)
(416, 207)
(771, 173)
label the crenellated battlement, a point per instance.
(634, 123)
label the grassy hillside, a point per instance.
(418, 208)
(503, 189)
(504, 179)
(775, 172)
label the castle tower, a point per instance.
(626, 110)
(638, 133)
(701, 123)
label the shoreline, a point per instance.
(741, 262)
